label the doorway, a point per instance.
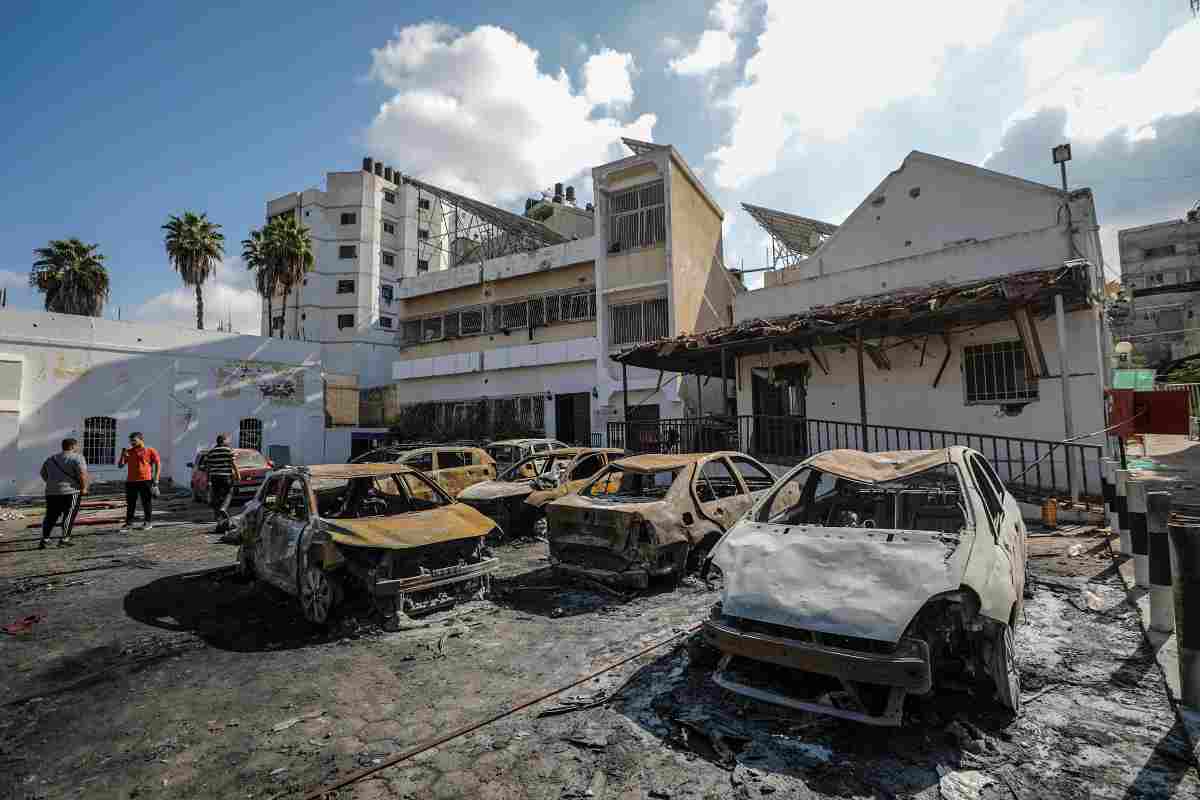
(573, 418)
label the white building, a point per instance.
(430, 297)
(948, 271)
(98, 380)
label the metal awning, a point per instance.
(905, 313)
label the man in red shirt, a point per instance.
(141, 479)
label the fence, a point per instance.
(1032, 468)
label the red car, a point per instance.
(252, 465)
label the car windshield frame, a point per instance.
(604, 476)
(440, 499)
(510, 475)
(251, 459)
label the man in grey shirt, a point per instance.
(66, 478)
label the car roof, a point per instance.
(886, 466)
(653, 462)
(354, 470)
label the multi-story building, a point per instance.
(430, 297)
(1160, 268)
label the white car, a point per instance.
(875, 575)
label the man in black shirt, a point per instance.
(222, 471)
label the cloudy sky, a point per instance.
(118, 116)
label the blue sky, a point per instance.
(117, 115)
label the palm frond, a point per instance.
(72, 277)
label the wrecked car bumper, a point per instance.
(904, 670)
(435, 579)
(630, 578)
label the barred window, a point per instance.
(637, 218)
(471, 322)
(410, 331)
(431, 329)
(388, 227)
(387, 294)
(345, 287)
(349, 219)
(277, 323)
(997, 373)
(512, 315)
(345, 321)
(100, 440)
(644, 321)
(450, 325)
(250, 434)
(389, 259)
(386, 322)
(422, 265)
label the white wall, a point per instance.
(179, 387)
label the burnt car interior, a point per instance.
(358, 498)
(623, 486)
(928, 501)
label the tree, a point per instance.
(194, 246)
(258, 261)
(72, 277)
(289, 249)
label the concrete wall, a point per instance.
(179, 387)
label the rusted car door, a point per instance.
(719, 493)
(451, 470)
(479, 467)
(286, 527)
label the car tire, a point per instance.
(320, 593)
(701, 654)
(1004, 669)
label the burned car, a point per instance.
(516, 500)
(454, 467)
(652, 515)
(385, 532)
(864, 577)
(507, 452)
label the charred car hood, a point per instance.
(495, 490)
(416, 529)
(862, 582)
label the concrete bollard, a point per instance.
(1185, 581)
(1122, 527)
(1162, 601)
(1135, 500)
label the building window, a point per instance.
(470, 322)
(347, 251)
(387, 294)
(349, 219)
(1160, 252)
(644, 321)
(423, 204)
(386, 322)
(422, 233)
(637, 218)
(389, 197)
(997, 373)
(100, 440)
(579, 306)
(389, 227)
(422, 265)
(345, 321)
(389, 259)
(250, 434)
(431, 329)
(277, 324)
(345, 287)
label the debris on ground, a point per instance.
(287, 723)
(967, 784)
(23, 626)
(9, 514)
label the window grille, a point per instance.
(385, 322)
(450, 325)
(422, 233)
(389, 227)
(431, 329)
(277, 324)
(389, 259)
(100, 440)
(512, 315)
(422, 265)
(347, 251)
(345, 321)
(349, 219)
(423, 204)
(345, 287)
(250, 434)
(471, 321)
(387, 294)
(638, 218)
(632, 323)
(410, 331)
(997, 373)
(389, 197)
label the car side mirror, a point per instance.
(688, 519)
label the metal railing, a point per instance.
(1032, 468)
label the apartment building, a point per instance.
(1160, 268)
(431, 297)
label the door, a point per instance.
(262, 522)
(289, 525)
(756, 478)
(582, 471)
(452, 470)
(479, 467)
(719, 493)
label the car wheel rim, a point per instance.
(316, 595)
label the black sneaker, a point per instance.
(42, 544)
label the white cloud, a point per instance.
(1097, 102)
(607, 78)
(228, 295)
(474, 112)
(9, 279)
(716, 46)
(819, 67)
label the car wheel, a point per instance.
(1004, 669)
(320, 593)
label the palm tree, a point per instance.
(194, 246)
(290, 252)
(72, 276)
(255, 254)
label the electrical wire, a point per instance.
(1075, 439)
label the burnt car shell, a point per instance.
(405, 561)
(628, 542)
(883, 611)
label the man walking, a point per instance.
(66, 478)
(141, 481)
(223, 473)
